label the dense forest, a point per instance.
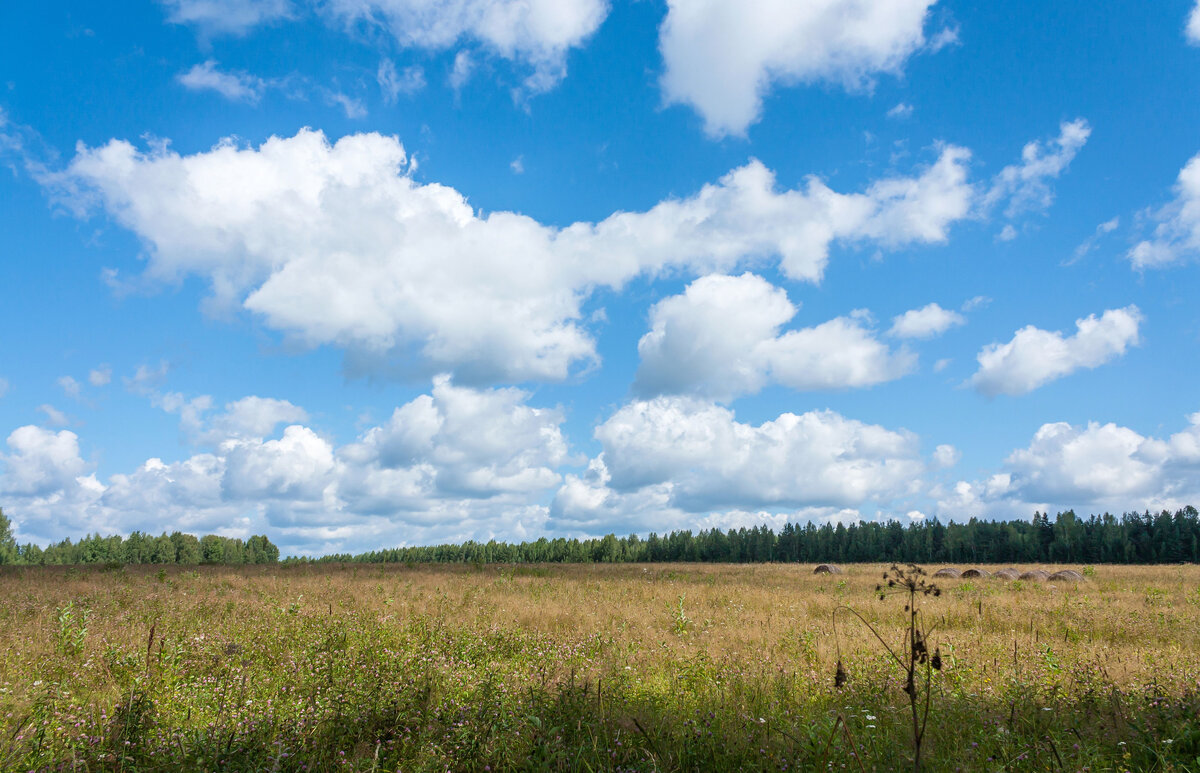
(137, 548)
(1132, 538)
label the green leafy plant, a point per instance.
(72, 631)
(680, 622)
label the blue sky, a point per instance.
(364, 273)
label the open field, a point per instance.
(586, 667)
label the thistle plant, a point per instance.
(913, 657)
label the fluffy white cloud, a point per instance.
(298, 466)
(586, 505)
(990, 498)
(837, 354)
(704, 459)
(1035, 356)
(250, 417)
(1097, 466)
(926, 322)
(721, 339)
(187, 495)
(537, 33)
(336, 243)
(722, 57)
(1065, 463)
(1193, 26)
(946, 455)
(234, 17)
(234, 86)
(40, 462)
(1026, 186)
(1177, 235)
(466, 442)
(453, 464)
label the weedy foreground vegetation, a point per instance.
(592, 667)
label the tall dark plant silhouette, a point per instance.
(913, 657)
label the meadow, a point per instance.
(588, 667)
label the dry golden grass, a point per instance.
(1131, 620)
(1124, 627)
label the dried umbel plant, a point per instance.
(913, 657)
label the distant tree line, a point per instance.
(1132, 538)
(138, 548)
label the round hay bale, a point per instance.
(949, 571)
(1007, 574)
(976, 573)
(1066, 575)
(827, 569)
(1034, 575)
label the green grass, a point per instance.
(578, 669)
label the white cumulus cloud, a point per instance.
(454, 464)
(1177, 235)
(296, 467)
(696, 456)
(946, 455)
(1192, 30)
(40, 462)
(335, 243)
(928, 321)
(721, 338)
(247, 418)
(1035, 357)
(1095, 466)
(722, 56)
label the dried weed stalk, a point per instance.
(914, 657)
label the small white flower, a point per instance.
(871, 717)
